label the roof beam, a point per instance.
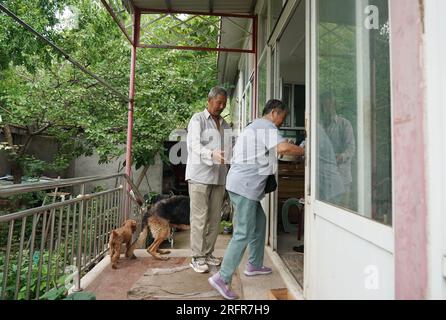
(117, 21)
(147, 46)
(198, 13)
(211, 6)
(169, 5)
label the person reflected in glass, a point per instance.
(330, 182)
(340, 132)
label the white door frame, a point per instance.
(435, 52)
(270, 202)
(309, 177)
(277, 93)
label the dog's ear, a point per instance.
(127, 222)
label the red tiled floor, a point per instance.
(114, 284)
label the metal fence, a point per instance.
(54, 245)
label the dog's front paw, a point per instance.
(157, 256)
(163, 251)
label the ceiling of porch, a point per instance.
(205, 6)
(223, 23)
(234, 27)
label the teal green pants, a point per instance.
(249, 231)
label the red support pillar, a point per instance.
(409, 150)
(128, 159)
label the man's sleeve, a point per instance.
(200, 152)
(349, 138)
(273, 138)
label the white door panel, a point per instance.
(375, 233)
(350, 267)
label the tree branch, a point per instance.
(41, 130)
(30, 136)
(92, 85)
(6, 110)
(141, 176)
(116, 129)
(25, 77)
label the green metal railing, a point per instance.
(54, 245)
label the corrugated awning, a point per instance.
(187, 17)
(204, 6)
(236, 26)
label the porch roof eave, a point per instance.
(227, 60)
(206, 7)
(237, 10)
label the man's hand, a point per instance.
(340, 158)
(286, 148)
(219, 156)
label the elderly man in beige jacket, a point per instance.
(206, 171)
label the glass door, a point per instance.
(350, 203)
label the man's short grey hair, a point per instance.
(217, 91)
(327, 95)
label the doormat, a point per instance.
(295, 263)
(177, 283)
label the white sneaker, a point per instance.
(199, 265)
(213, 261)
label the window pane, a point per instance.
(276, 9)
(353, 110)
(287, 95)
(263, 28)
(262, 84)
(248, 105)
(299, 106)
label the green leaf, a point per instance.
(81, 296)
(54, 294)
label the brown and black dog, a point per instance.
(163, 215)
(118, 237)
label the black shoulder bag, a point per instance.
(271, 184)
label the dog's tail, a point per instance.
(141, 241)
(113, 235)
